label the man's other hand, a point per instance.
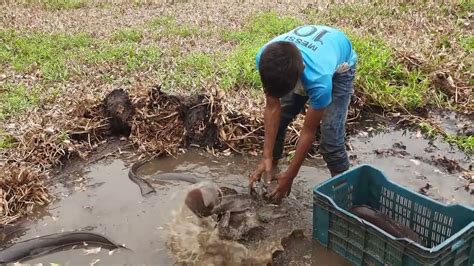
(264, 167)
(285, 181)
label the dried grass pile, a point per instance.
(156, 123)
(43, 139)
(20, 190)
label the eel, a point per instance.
(384, 222)
(146, 188)
(40, 246)
(206, 198)
(235, 214)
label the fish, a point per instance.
(146, 188)
(43, 245)
(384, 222)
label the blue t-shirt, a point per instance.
(323, 50)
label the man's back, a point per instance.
(324, 50)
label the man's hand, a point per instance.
(271, 122)
(285, 181)
(264, 166)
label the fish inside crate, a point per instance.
(368, 219)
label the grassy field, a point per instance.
(59, 58)
(49, 47)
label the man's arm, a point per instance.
(285, 180)
(271, 123)
(312, 120)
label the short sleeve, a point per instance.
(320, 94)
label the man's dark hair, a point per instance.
(280, 67)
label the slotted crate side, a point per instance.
(366, 246)
(431, 220)
(356, 243)
(367, 185)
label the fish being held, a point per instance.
(234, 213)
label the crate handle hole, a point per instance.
(339, 185)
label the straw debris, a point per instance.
(20, 190)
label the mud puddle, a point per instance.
(454, 123)
(104, 200)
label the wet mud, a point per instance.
(454, 123)
(101, 199)
(418, 163)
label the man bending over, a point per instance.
(314, 64)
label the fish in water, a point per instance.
(234, 213)
(40, 246)
(384, 222)
(203, 198)
(146, 188)
(237, 216)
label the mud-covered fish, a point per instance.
(237, 214)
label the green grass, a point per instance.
(128, 35)
(127, 55)
(387, 83)
(60, 56)
(182, 31)
(467, 43)
(47, 52)
(198, 64)
(234, 70)
(464, 143)
(190, 71)
(239, 69)
(465, 7)
(167, 26)
(56, 4)
(161, 21)
(16, 98)
(6, 141)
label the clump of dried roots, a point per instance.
(20, 190)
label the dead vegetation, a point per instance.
(156, 123)
(21, 189)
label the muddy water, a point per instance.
(105, 201)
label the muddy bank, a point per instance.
(101, 198)
(154, 122)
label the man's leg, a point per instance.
(291, 105)
(332, 144)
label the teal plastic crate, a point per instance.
(447, 232)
